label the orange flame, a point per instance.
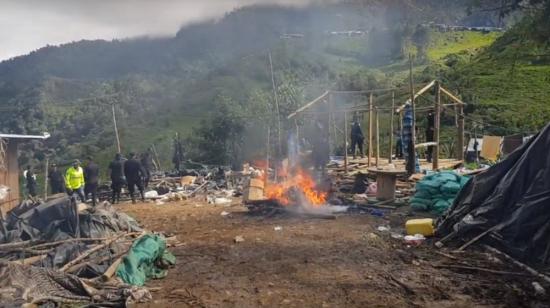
(302, 181)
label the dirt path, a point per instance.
(344, 262)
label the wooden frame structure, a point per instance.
(373, 115)
(9, 169)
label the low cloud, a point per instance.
(26, 25)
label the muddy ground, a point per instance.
(345, 262)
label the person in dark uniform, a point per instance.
(147, 164)
(134, 173)
(398, 144)
(91, 178)
(30, 178)
(177, 158)
(357, 138)
(57, 181)
(116, 169)
(321, 149)
(430, 135)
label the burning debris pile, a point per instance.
(64, 252)
(298, 189)
(296, 192)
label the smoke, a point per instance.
(26, 25)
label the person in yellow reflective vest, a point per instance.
(74, 180)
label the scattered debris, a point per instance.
(414, 240)
(50, 248)
(278, 228)
(420, 226)
(238, 239)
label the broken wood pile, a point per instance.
(70, 246)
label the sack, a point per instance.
(450, 188)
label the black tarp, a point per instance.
(60, 219)
(513, 199)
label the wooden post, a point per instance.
(267, 154)
(377, 137)
(391, 126)
(46, 178)
(157, 155)
(411, 164)
(370, 129)
(276, 106)
(331, 133)
(116, 129)
(460, 145)
(437, 124)
(345, 142)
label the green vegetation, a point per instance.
(212, 81)
(443, 44)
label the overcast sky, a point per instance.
(26, 25)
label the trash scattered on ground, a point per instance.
(220, 201)
(383, 228)
(396, 236)
(224, 213)
(278, 228)
(238, 239)
(414, 240)
(151, 194)
(424, 226)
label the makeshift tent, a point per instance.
(510, 201)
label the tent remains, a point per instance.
(508, 206)
(64, 252)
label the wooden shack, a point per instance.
(9, 167)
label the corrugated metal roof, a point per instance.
(44, 135)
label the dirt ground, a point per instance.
(344, 262)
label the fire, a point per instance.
(300, 181)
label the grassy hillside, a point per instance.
(186, 83)
(507, 83)
(443, 44)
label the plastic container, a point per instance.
(420, 226)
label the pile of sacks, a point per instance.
(436, 192)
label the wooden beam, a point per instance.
(308, 105)
(411, 162)
(369, 152)
(420, 92)
(437, 124)
(451, 96)
(377, 137)
(460, 143)
(391, 126)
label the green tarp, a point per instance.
(147, 258)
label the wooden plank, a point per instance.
(420, 92)
(308, 105)
(451, 96)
